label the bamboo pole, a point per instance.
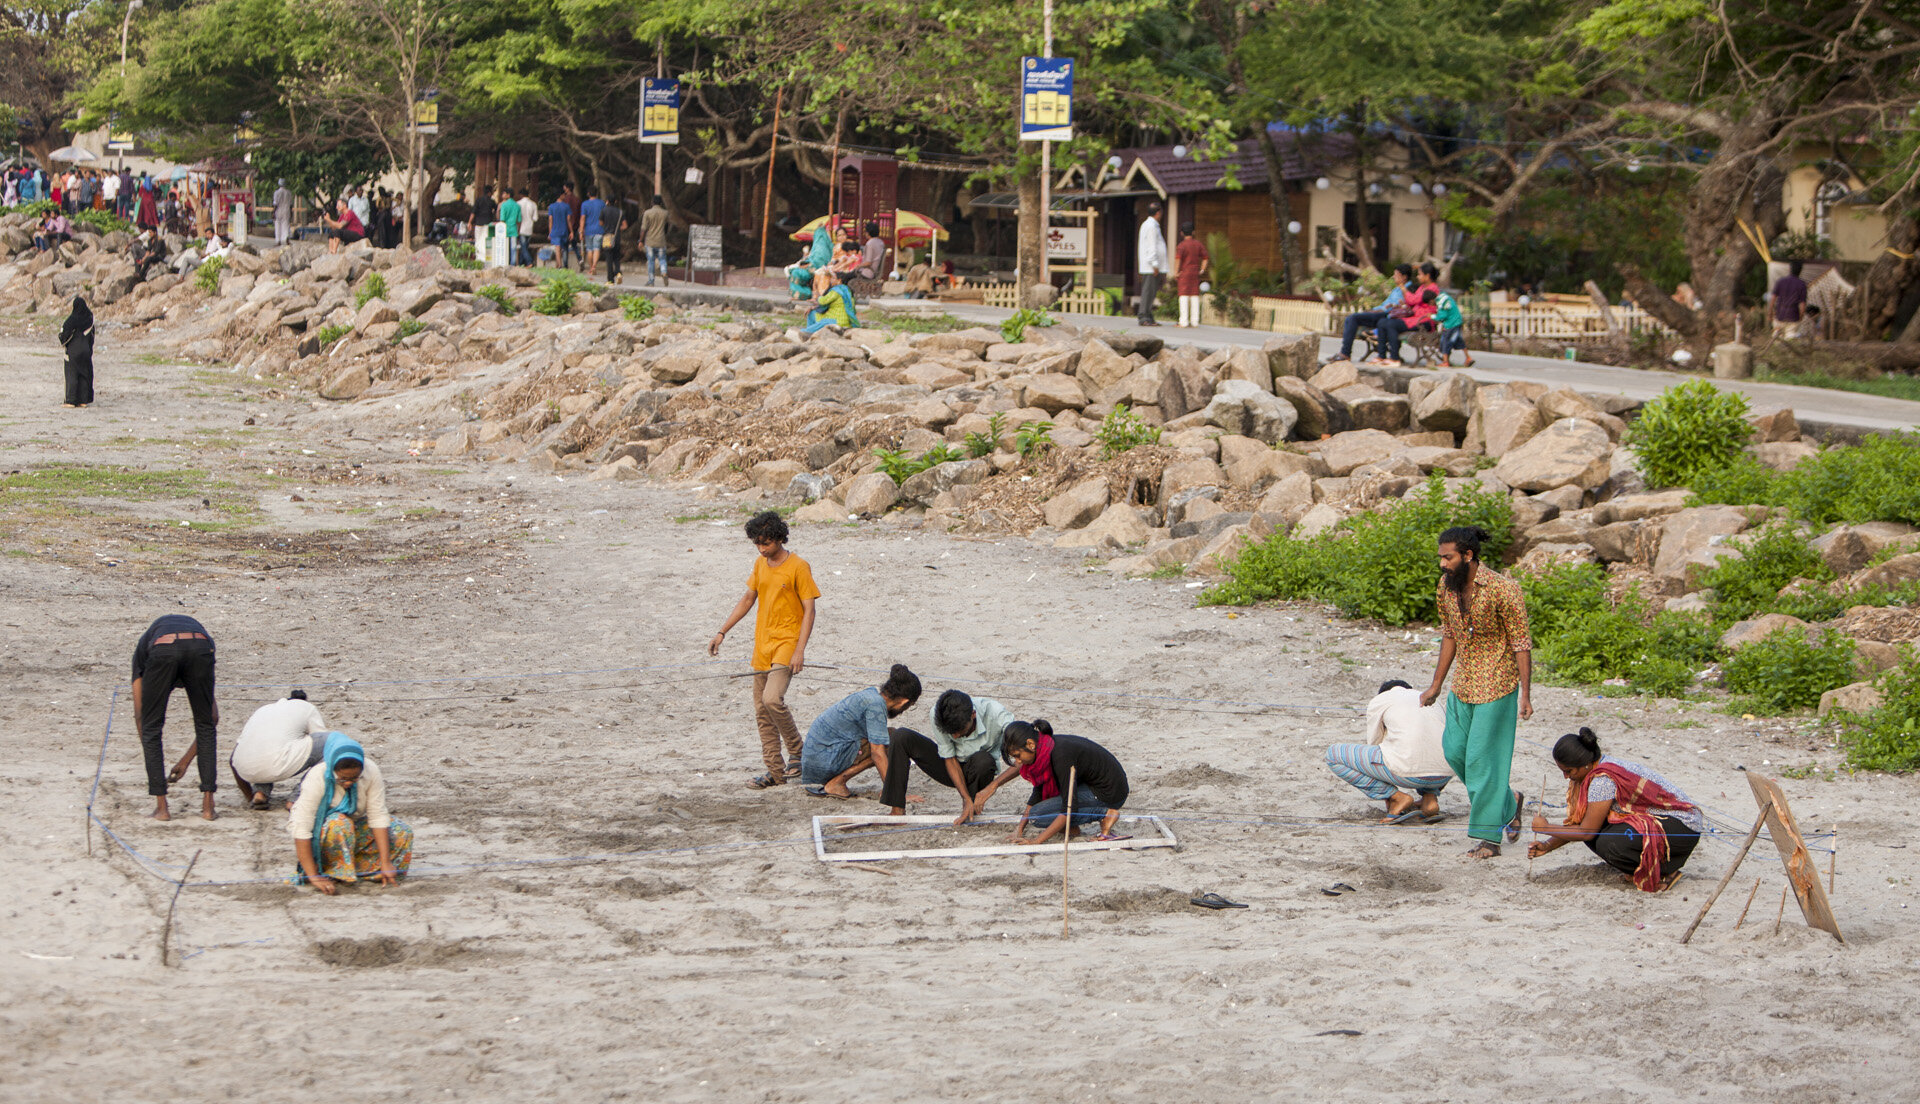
(1066, 848)
(1759, 822)
(166, 930)
(766, 208)
(1778, 916)
(1743, 912)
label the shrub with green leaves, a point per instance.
(1381, 565)
(978, 446)
(1032, 439)
(461, 255)
(1875, 480)
(558, 289)
(1121, 430)
(900, 467)
(1015, 328)
(408, 327)
(373, 286)
(330, 334)
(636, 308)
(104, 221)
(1751, 582)
(1888, 737)
(1789, 669)
(207, 276)
(1692, 429)
(500, 296)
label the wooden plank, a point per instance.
(1165, 838)
(1802, 875)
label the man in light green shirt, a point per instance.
(964, 726)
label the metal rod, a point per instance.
(1833, 857)
(1759, 822)
(1539, 807)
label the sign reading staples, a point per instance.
(703, 247)
(660, 112)
(1046, 99)
(1066, 243)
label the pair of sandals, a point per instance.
(1487, 849)
(769, 780)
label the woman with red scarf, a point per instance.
(1048, 761)
(1639, 822)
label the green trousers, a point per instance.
(1478, 745)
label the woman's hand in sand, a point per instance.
(1538, 848)
(387, 875)
(324, 884)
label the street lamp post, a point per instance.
(132, 6)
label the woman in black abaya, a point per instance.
(77, 336)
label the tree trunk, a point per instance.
(1887, 281)
(1027, 267)
(1282, 208)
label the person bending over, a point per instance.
(282, 740)
(1402, 752)
(341, 828)
(1643, 825)
(959, 755)
(176, 651)
(851, 735)
(1048, 762)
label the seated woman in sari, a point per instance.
(341, 829)
(1639, 822)
(800, 278)
(835, 309)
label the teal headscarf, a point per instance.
(338, 746)
(822, 253)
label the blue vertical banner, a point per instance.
(660, 112)
(1046, 99)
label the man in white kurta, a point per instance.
(282, 739)
(1152, 254)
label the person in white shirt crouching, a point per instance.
(1402, 753)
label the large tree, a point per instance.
(49, 49)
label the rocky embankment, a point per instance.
(1251, 440)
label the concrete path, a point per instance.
(1821, 411)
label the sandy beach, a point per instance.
(601, 910)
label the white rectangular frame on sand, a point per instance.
(1164, 838)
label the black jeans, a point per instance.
(189, 664)
(1355, 322)
(907, 747)
(1149, 295)
(1621, 846)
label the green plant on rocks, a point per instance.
(1691, 430)
(900, 467)
(499, 295)
(1121, 430)
(373, 286)
(1015, 328)
(408, 327)
(557, 291)
(1789, 669)
(207, 276)
(1887, 737)
(1032, 439)
(330, 334)
(636, 308)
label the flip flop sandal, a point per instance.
(1520, 808)
(1434, 819)
(1403, 818)
(1337, 888)
(793, 770)
(1485, 851)
(1110, 837)
(765, 781)
(1214, 901)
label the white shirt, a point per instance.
(371, 801)
(1152, 248)
(275, 746)
(282, 203)
(1408, 733)
(110, 185)
(358, 205)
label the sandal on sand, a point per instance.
(1485, 850)
(1110, 837)
(261, 802)
(793, 769)
(1411, 813)
(822, 791)
(766, 781)
(1519, 810)
(1214, 901)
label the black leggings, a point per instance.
(189, 664)
(1622, 846)
(907, 747)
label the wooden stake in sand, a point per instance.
(1778, 916)
(1540, 808)
(1759, 822)
(1833, 857)
(1743, 911)
(166, 930)
(1066, 848)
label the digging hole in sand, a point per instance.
(1155, 899)
(388, 950)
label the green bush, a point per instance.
(1888, 738)
(1750, 583)
(1121, 430)
(1561, 595)
(978, 446)
(460, 254)
(39, 208)
(374, 286)
(104, 221)
(1789, 670)
(1876, 480)
(1015, 328)
(1578, 636)
(1032, 439)
(1381, 565)
(207, 276)
(499, 295)
(408, 327)
(636, 308)
(330, 334)
(900, 467)
(558, 289)
(1692, 429)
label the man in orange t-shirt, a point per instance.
(782, 585)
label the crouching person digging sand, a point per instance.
(1048, 762)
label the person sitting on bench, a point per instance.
(1414, 314)
(1370, 320)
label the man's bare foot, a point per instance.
(160, 812)
(1398, 806)
(207, 811)
(841, 792)
(1430, 805)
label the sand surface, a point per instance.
(524, 655)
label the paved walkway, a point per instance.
(1820, 410)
